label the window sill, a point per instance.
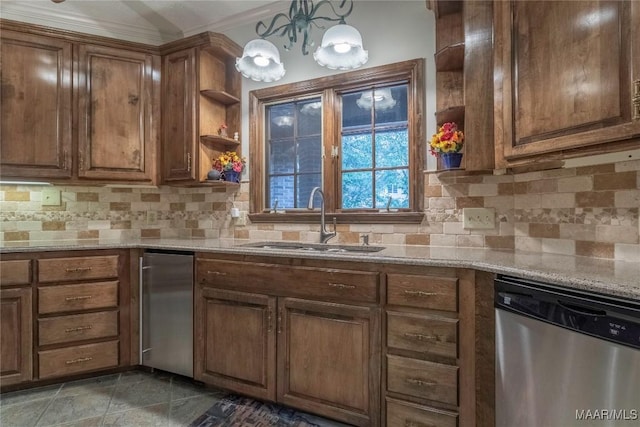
(341, 218)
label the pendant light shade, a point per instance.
(260, 61)
(341, 49)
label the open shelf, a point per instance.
(216, 184)
(217, 139)
(450, 58)
(451, 114)
(220, 96)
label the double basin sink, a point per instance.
(313, 247)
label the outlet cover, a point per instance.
(50, 197)
(479, 218)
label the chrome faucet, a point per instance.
(324, 234)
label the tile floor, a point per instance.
(128, 399)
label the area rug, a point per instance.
(235, 411)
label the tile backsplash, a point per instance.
(590, 211)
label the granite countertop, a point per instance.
(617, 278)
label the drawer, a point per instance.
(15, 272)
(77, 327)
(424, 334)
(77, 268)
(406, 414)
(419, 378)
(435, 293)
(83, 296)
(310, 282)
(73, 360)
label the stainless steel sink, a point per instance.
(313, 247)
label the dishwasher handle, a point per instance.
(581, 310)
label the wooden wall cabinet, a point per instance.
(567, 77)
(201, 92)
(36, 99)
(256, 338)
(77, 108)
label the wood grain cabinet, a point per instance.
(59, 87)
(16, 322)
(201, 92)
(36, 99)
(567, 76)
(316, 353)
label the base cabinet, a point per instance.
(16, 364)
(318, 356)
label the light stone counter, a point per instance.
(617, 278)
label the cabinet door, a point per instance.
(235, 341)
(115, 140)
(179, 116)
(328, 362)
(35, 140)
(566, 75)
(15, 335)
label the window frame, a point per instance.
(330, 88)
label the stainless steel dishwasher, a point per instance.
(166, 311)
(565, 357)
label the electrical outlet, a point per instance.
(241, 220)
(479, 218)
(152, 217)
(50, 197)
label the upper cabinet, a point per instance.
(567, 75)
(36, 101)
(76, 107)
(201, 95)
(115, 90)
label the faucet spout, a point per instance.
(324, 234)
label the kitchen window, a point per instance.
(356, 135)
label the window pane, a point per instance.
(392, 148)
(281, 121)
(305, 185)
(309, 156)
(281, 189)
(310, 117)
(392, 185)
(390, 104)
(352, 113)
(356, 152)
(281, 156)
(357, 190)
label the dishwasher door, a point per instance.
(565, 358)
(167, 312)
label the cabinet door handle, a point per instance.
(279, 320)
(411, 423)
(636, 88)
(216, 273)
(420, 337)
(635, 100)
(80, 360)
(419, 382)
(269, 320)
(78, 329)
(419, 293)
(78, 269)
(341, 286)
(188, 162)
(80, 297)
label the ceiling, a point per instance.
(146, 21)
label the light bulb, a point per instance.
(261, 61)
(342, 47)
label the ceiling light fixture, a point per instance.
(341, 47)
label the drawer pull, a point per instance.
(78, 329)
(78, 269)
(420, 293)
(419, 382)
(341, 286)
(420, 337)
(216, 273)
(80, 360)
(80, 297)
(411, 423)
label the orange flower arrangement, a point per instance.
(448, 139)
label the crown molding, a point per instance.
(36, 14)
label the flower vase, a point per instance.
(231, 176)
(451, 160)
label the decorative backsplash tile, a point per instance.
(591, 211)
